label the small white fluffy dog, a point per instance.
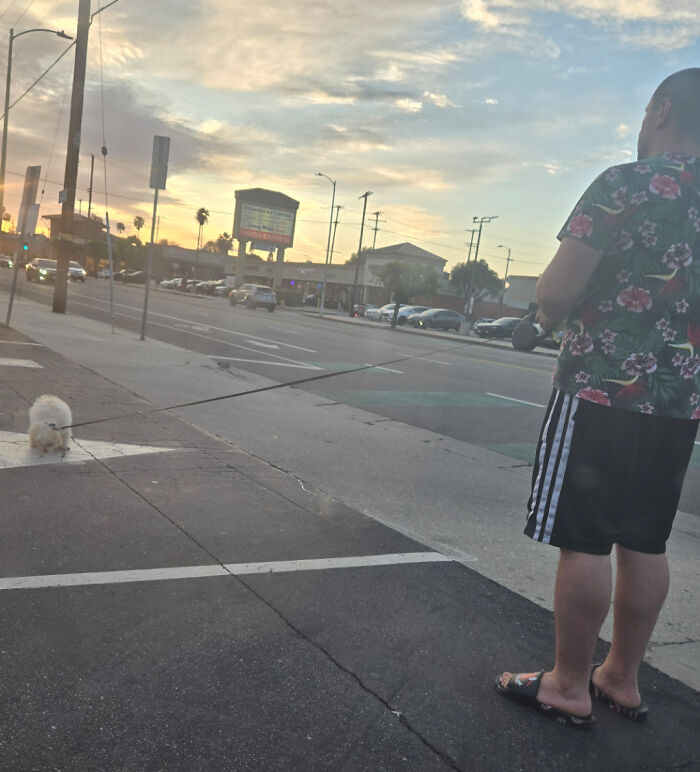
(47, 417)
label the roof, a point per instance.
(268, 198)
(407, 250)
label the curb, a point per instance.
(467, 340)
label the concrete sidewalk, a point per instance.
(160, 612)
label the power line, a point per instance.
(12, 2)
(24, 13)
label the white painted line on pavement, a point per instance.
(512, 399)
(104, 303)
(5, 362)
(388, 369)
(19, 343)
(263, 362)
(198, 334)
(15, 451)
(261, 344)
(437, 362)
(197, 572)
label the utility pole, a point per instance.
(480, 221)
(471, 233)
(65, 236)
(376, 227)
(92, 174)
(338, 207)
(364, 196)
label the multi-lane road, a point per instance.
(488, 397)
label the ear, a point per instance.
(663, 112)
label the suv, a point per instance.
(40, 269)
(254, 295)
(76, 271)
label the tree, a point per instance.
(7, 217)
(202, 217)
(475, 280)
(121, 227)
(139, 222)
(353, 257)
(224, 243)
(404, 281)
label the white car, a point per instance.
(404, 313)
(375, 314)
(76, 272)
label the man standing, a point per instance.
(621, 423)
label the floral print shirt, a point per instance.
(634, 340)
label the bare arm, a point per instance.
(564, 281)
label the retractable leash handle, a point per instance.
(526, 336)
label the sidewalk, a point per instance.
(160, 612)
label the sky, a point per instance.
(447, 111)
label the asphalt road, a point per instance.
(488, 397)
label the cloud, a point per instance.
(622, 131)
(439, 100)
(408, 105)
(490, 101)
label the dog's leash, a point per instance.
(261, 389)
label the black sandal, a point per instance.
(523, 688)
(633, 714)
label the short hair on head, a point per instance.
(682, 89)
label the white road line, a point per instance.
(197, 572)
(197, 335)
(437, 362)
(261, 344)
(5, 362)
(263, 362)
(19, 343)
(511, 399)
(388, 369)
(190, 321)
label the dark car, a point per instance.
(135, 277)
(40, 269)
(501, 328)
(437, 318)
(254, 295)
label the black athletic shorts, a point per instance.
(605, 476)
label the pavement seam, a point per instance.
(402, 719)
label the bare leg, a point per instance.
(581, 603)
(642, 586)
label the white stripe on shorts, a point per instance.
(543, 506)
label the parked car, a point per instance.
(102, 273)
(375, 314)
(223, 289)
(135, 277)
(40, 269)
(6, 261)
(481, 320)
(437, 318)
(254, 295)
(76, 272)
(406, 311)
(361, 309)
(501, 328)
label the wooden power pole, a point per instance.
(67, 196)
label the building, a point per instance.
(84, 229)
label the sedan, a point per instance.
(501, 328)
(386, 311)
(406, 311)
(437, 318)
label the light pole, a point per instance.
(365, 196)
(505, 277)
(3, 153)
(328, 244)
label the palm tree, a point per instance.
(121, 227)
(202, 217)
(138, 223)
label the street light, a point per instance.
(3, 153)
(328, 244)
